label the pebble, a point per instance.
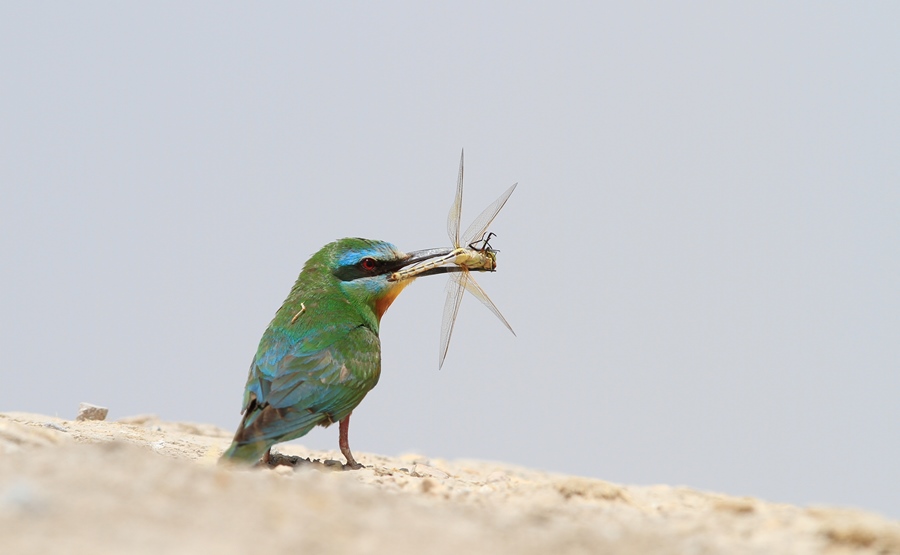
(88, 411)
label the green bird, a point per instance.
(321, 354)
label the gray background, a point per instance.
(701, 261)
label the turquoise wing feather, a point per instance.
(296, 384)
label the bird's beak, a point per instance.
(427, 262)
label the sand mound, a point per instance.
(140, 485)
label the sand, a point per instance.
(141, 485)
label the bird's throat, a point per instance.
(382, 304)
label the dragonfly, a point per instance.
(467, 254)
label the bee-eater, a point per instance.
(321, 354)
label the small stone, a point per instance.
(87, 411)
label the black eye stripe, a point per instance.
(367, 267)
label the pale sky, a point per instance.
(701, 260)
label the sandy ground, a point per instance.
(140, 485)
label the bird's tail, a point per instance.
(248, 444)
(247, 453)
(266, 425)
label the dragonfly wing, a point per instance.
(481, 223)
(455, 287)
(472, 287)
(456, 208)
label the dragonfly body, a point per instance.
(473, 259)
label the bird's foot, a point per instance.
(352, 465)
(351, 462)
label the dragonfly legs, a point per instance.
(485, 245)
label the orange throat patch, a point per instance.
(382, 304)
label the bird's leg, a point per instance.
(345, 444)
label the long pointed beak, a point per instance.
(427, 262)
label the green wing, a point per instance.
(296, 383)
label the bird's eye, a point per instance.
(367, 264)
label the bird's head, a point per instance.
(365, 269)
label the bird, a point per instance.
(321, 353)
